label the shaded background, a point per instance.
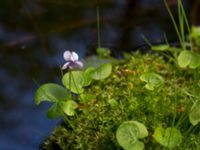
(34, 35)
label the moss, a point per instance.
(122, 97)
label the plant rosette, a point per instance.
(74, 81)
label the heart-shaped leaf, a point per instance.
(170, 137)
(51, 92)
(76, 80)
(194, 115)
(188, 58)
(69, 107)
(129, 133)
(102, 72)
(54, 111)
(152, 80)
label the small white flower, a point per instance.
(72, 60)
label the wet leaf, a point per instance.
(51, 92)
(170, 137)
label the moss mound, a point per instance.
(122, 97)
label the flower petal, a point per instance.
(66, 65)
(74, 56)
(79, 64)
(67, 55)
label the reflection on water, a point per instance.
(33, 36)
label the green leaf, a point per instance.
(54, 111)
(170, 137)
(128, 134)
(188, 58)
(195, 35)
(95, 61)
(195, 61)
(160, 48)
(102, 72)
(69, 107)
(143, 130)
(76, 80)
(152, 80)
(88, 75)
(103, 52)
(184, 59)
(137, 146)
(51, 92)
(194, 115)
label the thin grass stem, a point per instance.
(98, 27)
(146, 40)
(174, 23)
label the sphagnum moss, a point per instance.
(123, 97)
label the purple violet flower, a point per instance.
(72, 60)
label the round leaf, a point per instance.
(194, 115)
(102, 72)
(96, 61)
(152, 80)
(143, 130)
(184, 59)
(76, 80)
(51, 92)
(170, 137)
(69, 107)
(187, 58)
(137, 146)
(129, 133)
(88, 76)
(195, 61)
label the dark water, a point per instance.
(33, 37)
